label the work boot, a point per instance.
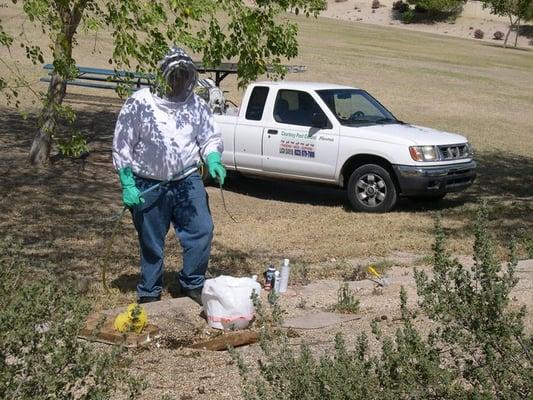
(193, 294)
(146, 299)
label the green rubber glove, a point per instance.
(131, 196)
(215, 167)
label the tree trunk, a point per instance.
(42, 142)
(517, 27)
(508, 32)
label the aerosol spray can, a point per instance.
(285, 272)
(277, 281)
(269, 277)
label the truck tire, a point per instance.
(371, 189)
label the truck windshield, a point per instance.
(356, 107)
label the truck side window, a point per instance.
(295, 107)
(257, 102)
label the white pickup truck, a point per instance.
(341, 135)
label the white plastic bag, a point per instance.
(227, 302)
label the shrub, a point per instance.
(443, 6)
(40, 355)
(400, 6)
(408, 16)
(421, 9)
(346, 301)
(375, 4)
(435, 10)
(476, 347)
(479, 34)
(498, 35)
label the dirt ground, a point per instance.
(181, 373)
(472, 17)
(62, 212)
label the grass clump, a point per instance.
(476, 347)
(301, 273)
(40, 355)
(346, 301)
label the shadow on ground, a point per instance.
(510, 45)
(127, 283)
(223, 261)
(500, 176)
(526, 30)
(61, 212)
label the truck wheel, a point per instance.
(371, 189)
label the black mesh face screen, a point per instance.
(180, 74)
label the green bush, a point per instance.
(428, 10)
(346, 301)
(476, 347)
(40, 355)
(445, 6)
(408, 16)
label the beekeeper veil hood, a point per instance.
(180, 74)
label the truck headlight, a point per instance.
(423, 153)
(470, 150)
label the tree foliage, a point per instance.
(516, 10)
(253, 33)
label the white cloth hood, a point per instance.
(174, 62)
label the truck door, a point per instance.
(292, 145)
(249, 132)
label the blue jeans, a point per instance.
(185, 204)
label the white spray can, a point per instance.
(285, 272)
(277, 281)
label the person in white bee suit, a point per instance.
(158, 134)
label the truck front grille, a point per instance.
(453, 152)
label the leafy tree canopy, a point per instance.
(251, 32)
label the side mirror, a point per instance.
(319, 120)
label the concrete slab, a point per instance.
(318, 320)
(182, 305)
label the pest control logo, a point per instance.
(297, 148)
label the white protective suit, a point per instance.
(158, 138)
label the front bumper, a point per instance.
(421, 180)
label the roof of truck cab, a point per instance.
(302, 85)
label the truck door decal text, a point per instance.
(296, 148)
